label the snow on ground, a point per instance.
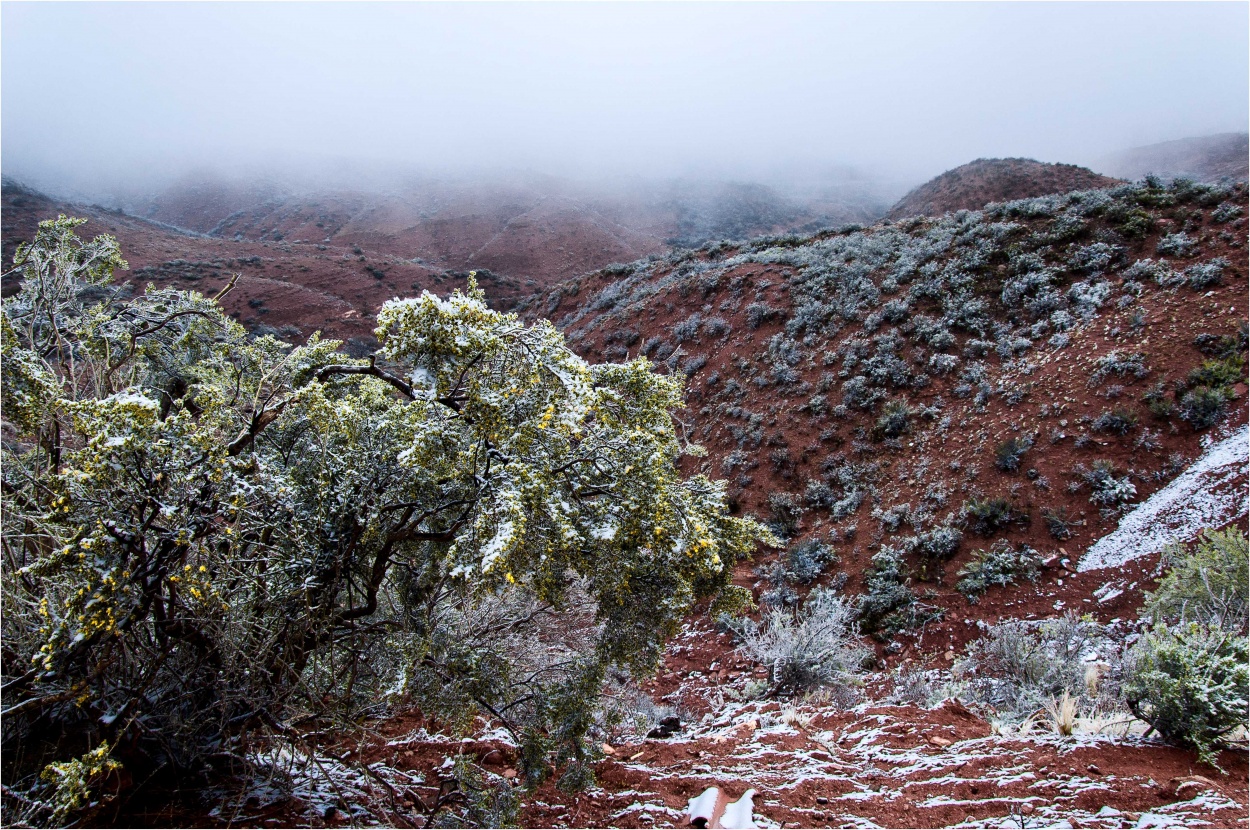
(1208, 494)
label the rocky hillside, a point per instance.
(976, 184)
(1210, 158)
(876, 387)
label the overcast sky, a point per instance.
(96, 91)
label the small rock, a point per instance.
(950, 656)
(509, 773)
(936, 741)
(1094, 769)
(820, 799)
(608, 749)
(1026, 809)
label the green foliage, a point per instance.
(478, 799)
(985, 516)
(1205, 406)
(1058, 523)
(1000, 565)
(894, 421)
(205, 532)
(888, 605)
(1119, 421)
(75, 783)
(1189, 683)
(1210, 389)
(1008, 454)
(1208, 583)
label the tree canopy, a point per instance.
(206, 533)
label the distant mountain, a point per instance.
(530, 228)
(974, 185)
(1209, 158)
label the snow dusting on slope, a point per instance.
(1208, 494)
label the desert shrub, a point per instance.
(806, 561)
(985, 516)
(694, 364)
(1189, 683)
(858, 393)
(474, 518)
(760, 313)
(1058, 523)
(785, 511)
(939, 543)
(1207, 583)
(1205, 406)
(1002, 564)
(1224, 346)
(894, 421)
(476, 798)
(1175, 244)
(1225, 211)
(1218, 373)
(1020, 666)
(1107, 489)
(1009, 453)
(888, 604)
(1120, 364)
(1158, 403)
(716, 326)
(807, 648)
(1119, 421)
(1206, 274)
(687, 329)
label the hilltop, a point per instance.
(972, 186)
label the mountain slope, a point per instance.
(976, 184)
(859, 386)
(1209, 158)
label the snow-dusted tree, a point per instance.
(205, 533)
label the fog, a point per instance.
(100, 98)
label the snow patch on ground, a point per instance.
(1206, 495)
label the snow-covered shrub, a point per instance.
(1120, 364)
(807, 648)
(785, 510)
(760, 313)
(687, 329)
(1225, 211)
(1107, 489)
(985, 516)
(1207, 583)
(943, 364)
(1205, 406)
(939, 543)
(1151, 269)
(1019, 666)
(232, 520)
(1176, 244)
(1206, 274)
(888, 604)
(716, 326)
(895, 420)
(1189, 682)
(1119, 421)
(1008, 454)
(1096, 257)
(1002, 564)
